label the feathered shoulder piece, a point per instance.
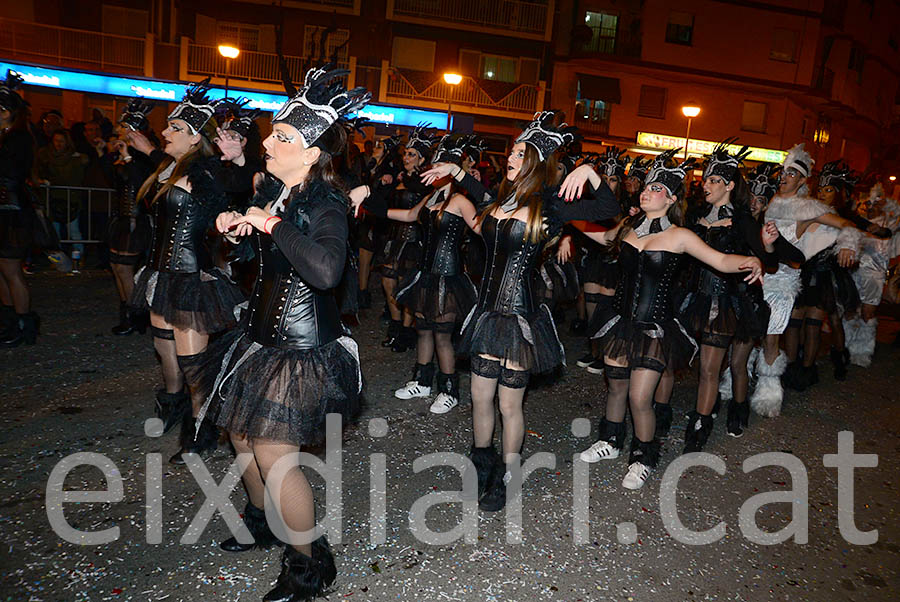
(320, 102)
(422, 140)
(196, 108)
(546, 137)
(667, 171)
(723, 163)
(796, 208)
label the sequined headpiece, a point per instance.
(613, 162)
(474, 147)
(450, 149)
(670, 177)
(196, 109)
(390, 143)
(10, 100)
(639, 168)
(320, 102)
(799, 159)
(135, 114)
(724, 164)
(544, 136)
(763, 181)
(422, 141)
(837, 174)
(235, 117)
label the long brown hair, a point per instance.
(201, 150)
(675, 213)
(527, 188)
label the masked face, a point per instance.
(715, 189)
(791, 181)
(179, 139)
(412, 160)
(655, 198)
(515, 160)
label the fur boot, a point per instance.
(768, 394)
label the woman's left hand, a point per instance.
(573, 185)
(754, 266)
(229, 143)
(256, 217)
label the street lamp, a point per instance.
(229, 52)
(452, 79)
(690, 111)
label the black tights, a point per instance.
(488, 378)
(740, 379)
(437, 337)
(711, 358)
(634, 387)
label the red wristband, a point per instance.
(266, 228)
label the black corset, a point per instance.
(128, 205)
(179, 238)
(644, 293)
(511, 259)
(707, 280)
(409, 232)
(443, 236)
(284, 310)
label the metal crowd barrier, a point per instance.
(87, 210)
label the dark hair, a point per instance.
(331, 143)
(201, 150)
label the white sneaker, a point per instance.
(601, 450)
(636, 477)
(412, 389)
(443, 403)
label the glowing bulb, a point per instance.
(690, 110)
(229, 52)
(452, 78)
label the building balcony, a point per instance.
(250, 69)
(517, 18)
(78, 48)
(484, 97)
(608, 43)
(592, 126)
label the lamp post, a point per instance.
(690, 111)
(452, 79)
(229, 52)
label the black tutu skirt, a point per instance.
(654, 346)
(401, 257)
(201, 301)
(433, 295)
(528, 341)
(826, 285)
(717, 319)
(282, 394)
(122, 238)
(556, 282)
(16, 232)
(600, 266)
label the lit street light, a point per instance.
(452, 79)
(229, 52)
(690, 111)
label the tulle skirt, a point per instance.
(600, 266)
(716, 319)
(282, 394)
(556, 282)
(203, 301)
(650, 345)
(401, 257)
(827, 285)
(122, 238)
(434, 295)
(529, 341)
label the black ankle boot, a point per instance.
(365, 299)
(840, 359)
(494, 498)
(393, 332)
(484, 459)
(697, 432)
(663, 413)
(124, 327)
(255, 520)
(206, 439)
(7, 319)
(303, 577)
(738, 418)
(24, 329)
(405, 341)
(171, 408)
(793, 376)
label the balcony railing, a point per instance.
(502, 17)
(608, 41)
(488, 97)
(249, 66)
(596, 124)
(64, 46)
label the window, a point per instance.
(245, 37)
(499, 68)
(652, 102)
(754, 116)
(594, 111)
(603, 32)
(784, 45)
(335, 42)
(856, 62)
(410, 53)
(680, 29)
(125, 21)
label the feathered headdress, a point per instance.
(800, 160)
(474, 147)
(10, 100)
(320, 102)
(235, 117)
(639, 168)
(544, 136)
(763, 181)
(422, 140)
(614, 162)
(667, 171)
(724, 164)
(135, 114)
(837, 174)
(390, 143)
(450, 149)
(195, 109)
